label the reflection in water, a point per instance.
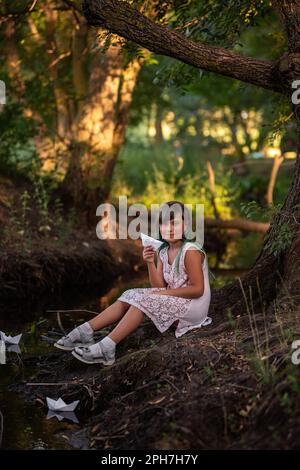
(60, 415)
(14, 348)
(1, 428)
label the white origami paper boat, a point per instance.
(150, 241)
(10, 339)
(60, 405)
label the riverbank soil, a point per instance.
(231, 385)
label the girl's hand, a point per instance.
(148, 254)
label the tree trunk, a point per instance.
(53, 49)
(211, 179)
(277, 160)
(233, 124)
(99, 129)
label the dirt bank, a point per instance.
(37, 273)
(230, 385)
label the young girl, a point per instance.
(179, 292)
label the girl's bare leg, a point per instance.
(110, 315)
(130, 322)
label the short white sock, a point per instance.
(108, 343)
(86, 328)
(95, 349)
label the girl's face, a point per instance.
(172, 230)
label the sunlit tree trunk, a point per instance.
(56, 48)
(98, 130)
(278, 159)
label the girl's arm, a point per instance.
(193, 265)
(156, 277)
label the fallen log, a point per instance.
(243, 225)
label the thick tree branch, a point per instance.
(120, 18)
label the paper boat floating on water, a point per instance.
(10, 339)
(150, 241)
(60, 405)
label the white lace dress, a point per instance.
(164, 310)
